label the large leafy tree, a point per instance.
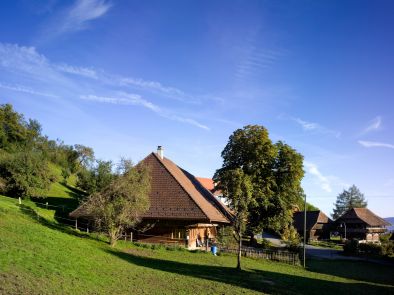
(348, 199)
(121, 203)
(275, 172)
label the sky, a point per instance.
(126, 76)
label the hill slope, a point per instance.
(37, 256)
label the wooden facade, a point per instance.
(318, 225)
(361, 224)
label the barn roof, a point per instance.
(176, 194)
(312, 218)
(362, 215)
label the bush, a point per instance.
(372, 249)
(388, 248)
(351, 247)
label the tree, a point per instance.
(275, 172)
(121, 203)
(348, 199)
(237, 187)
(85, 154)
(24, 174)
(96, 178)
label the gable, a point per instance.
(174, 196)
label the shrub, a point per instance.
(372, 249)
(351, 247)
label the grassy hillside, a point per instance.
(38, 256)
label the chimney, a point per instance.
(160, 152)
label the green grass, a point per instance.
(42, 257)
(326, 244)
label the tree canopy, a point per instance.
(275, 171)
(119, 205)
(348, 199)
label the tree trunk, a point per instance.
(239, 251)
(113, 237)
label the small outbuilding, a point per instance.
(318, 225)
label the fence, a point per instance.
(275, 255)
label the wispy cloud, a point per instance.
(253, 58)
(373, 125)
(20, 88)
(34, 69)
(315, 127)
(323, 180)
(372, 144)
(80, 14)
(135, 99)
(81, 71)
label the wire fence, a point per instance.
(269, 254)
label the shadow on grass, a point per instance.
(27, 211)
(61, 205)
(256, 280)
(354, 269)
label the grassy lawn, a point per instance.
(42, 257)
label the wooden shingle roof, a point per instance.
(177, 194)
(362, 215)
(312, 218)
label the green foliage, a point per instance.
(309, 207)
(16, 133)
(119, 205)
(275, 172)
(348, 199)
(96, 178)
(226, 238)
(25, 155)
(351, 247)
(237, 188)
(25, 174)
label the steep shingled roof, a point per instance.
(312, 218)
(360, 215)
(177, 194)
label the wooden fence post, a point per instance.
(76, 223)
(131, 236)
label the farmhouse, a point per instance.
(317, 224)
(181, 209)
(361, 224)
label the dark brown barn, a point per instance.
(317, 224)
(181, 210)
(361, 224)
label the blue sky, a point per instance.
(126, 76)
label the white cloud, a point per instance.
(81, 13)
(315, 127)
(27, 65)
(375, 124)
(85, 72)
(135, 99)
(372, 144)
(20, 88)
(323, 180)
